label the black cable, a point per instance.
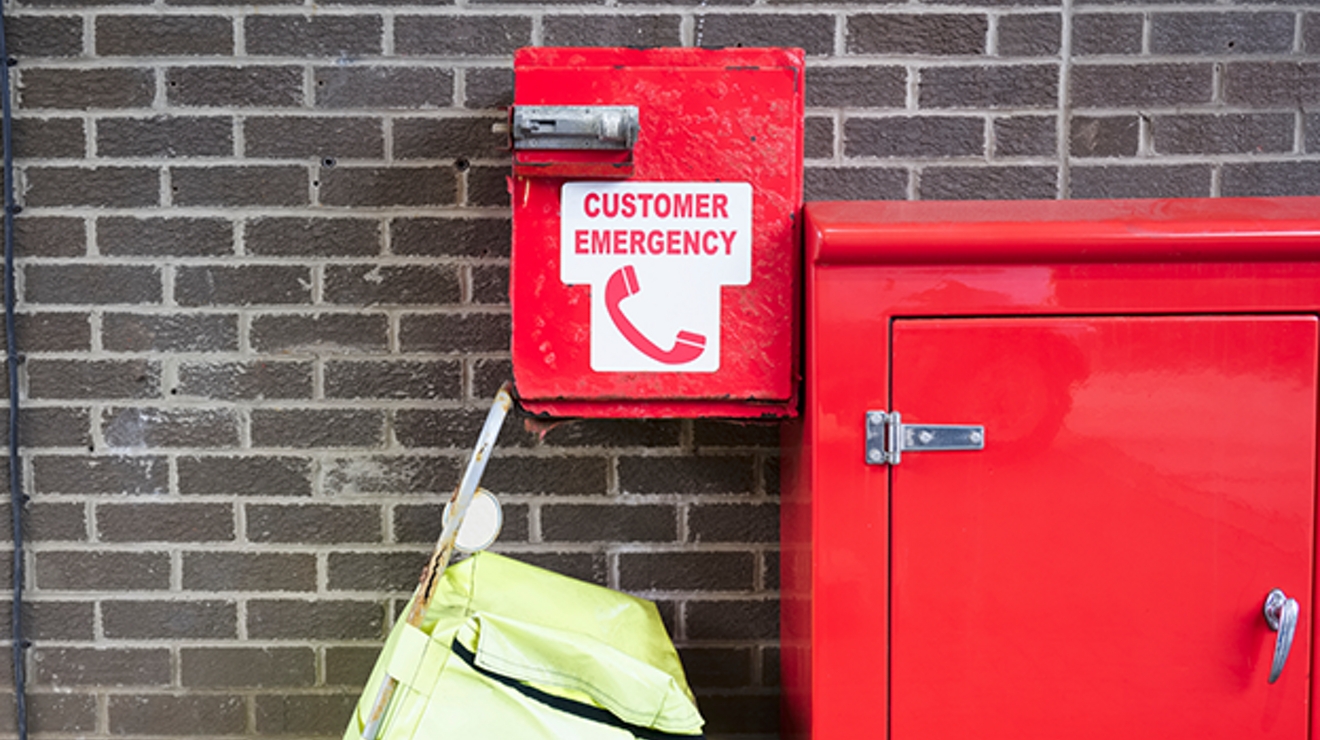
(17, 500)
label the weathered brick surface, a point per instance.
(264, 271)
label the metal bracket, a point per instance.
(575, 127)
(887, 437)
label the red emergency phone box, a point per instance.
(656, 197)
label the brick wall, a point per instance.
(263, 290)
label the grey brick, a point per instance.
(247, 667)
(490, 284)
(868, 86)
(85, 89)
(235, 87)
(122, 187)
(1271, 179)
(1289, 84)
(1108, 33)
(611, 523)
(488, 186)
(1312, 127)
(129, 332)
(717, 667)
(375, 571)
(305, 428)
(83, 474)
(54, 713)
(989, 87)
(651, 433)
(430, 380)
(981, 183)
(933, 34)
(307, 523)
(55, 620)
(101, 667)
(93, 379)
(102, 571)
(1311, 33)
(354, 332)
(263, 475)
(49, 138)
(1221, 33)
(51, 427)
(1026, 136)
(1223, 134)
(249, 571)
(631, 30)
(312, 36)
(742, 712)
(345, 666)
(1171, 181)
(44, 36)
(734, 523)
(856, 183)
(584, 566)
(1030, 35)
(239, 186)
(161, 237)
(245, 380)
(488, 88)
(686, 571)
(332, 138)
(716, 474)
(356, 475)
(1112, 85)
(488, 375)
(139, 426)
(818, 137)
(163, 35)
(732, 620)
(447, 138)
(388, 186)
(49, 236)
(473, 332)
(244, 285)
(383, 87)
(312, 237)
(53, 522)
(453, 428)
(172, 522)
(1104, 136)
(165, 136)
(321, 715)
(179, 716)
(546, 475)
(316, 620)
(54, 332)
(391, 285)
(169, 620)
(930, 136)
(814, 34)
(713, 433)
(461, 35)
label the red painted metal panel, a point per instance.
(836, 508)
(1099, 568)
(706, 116)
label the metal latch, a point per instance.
(575, 126)
(887, 437)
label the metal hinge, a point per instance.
(887, 437)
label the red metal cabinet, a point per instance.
(1146, 376)
(656, 260)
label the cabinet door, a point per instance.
(1099, 569)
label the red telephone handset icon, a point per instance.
(688, 346)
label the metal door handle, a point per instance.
(1281, 616)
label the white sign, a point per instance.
(655, 255)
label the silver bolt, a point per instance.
(975, 437)
(875, 456)
(926, 437)
(875, 418)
